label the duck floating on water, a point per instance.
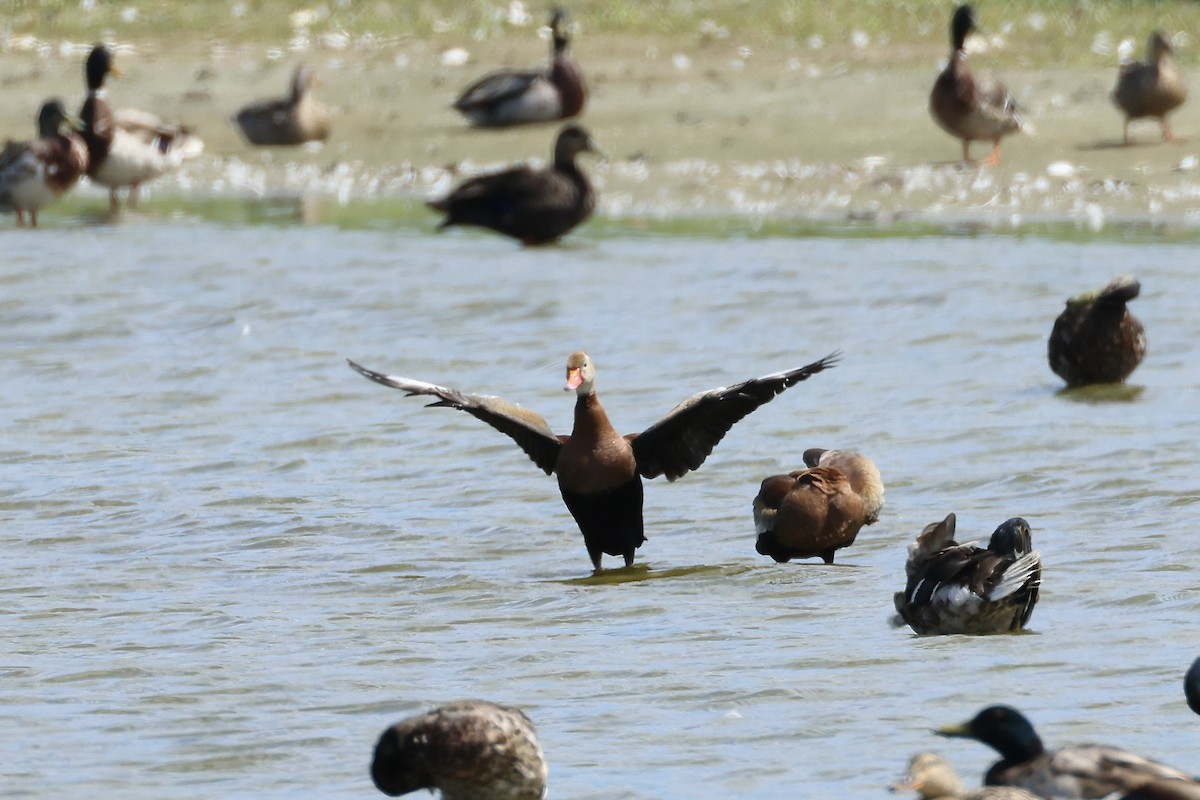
(517, 97)
(968, 106)
(1151, 88)
(1096, 339)
(932, 778)
(1191, 686)
(283, 121)
(36, 173)
(963, 588)
(467, 750)
(534, 206)
(599, 471)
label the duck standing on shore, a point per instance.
(292, 120)
(1151, 88)
(36, 173)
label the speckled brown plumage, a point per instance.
(1151, 88)
(35, 173)
(1096, 339)
(932, 777)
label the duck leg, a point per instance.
(1125, 134)
(33, 219)
(1166, 131)
(133, 196)
(114, 204)
(966, 151)
(20, 217)
(993, 157)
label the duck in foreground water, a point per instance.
(1151, 88)
(127, 147)
(819, 510)
(292, 120)
(1075, 771)
(968, 106)
(599, 471)
(962, 588)
(932, 777)
(534, 206)
(1096, 339)
(468, 750)
(36, 173)
(516, 97)
(1191, 686)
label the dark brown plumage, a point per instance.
(599, 471)
(285, 121)
(1150, 88)
(1096, 339)
(531, 205)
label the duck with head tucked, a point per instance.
(968, 106)
(533, 206)
(36, 173)
(932, 777)
(467, 750)
(1096, 339)
(1151, 88)
(963, 588)
(283, 121)
(516, 97)
(599, 471)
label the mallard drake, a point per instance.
(291, 120)
(932, 777)
(962, 588)
(535, 206)
(1075, 771)
(972, 107)
(1096, 339)
(1150, 88)
(1191, 686)
(128, 147)
(599, 471)
(34, 174)
(466, 750)
(512, 97)
(819, 510)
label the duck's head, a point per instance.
(1191, 686)
(573, 140)
(98, 66)
(961, 24)
(1012, 538)
(303, 79)
(812, 456)
(1118, 291)
(53, 116)
(394, 769)
(1158, 46)
(581, 374)
(1002, 728)
(931, 776)
(560, 29)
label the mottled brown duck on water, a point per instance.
(36, 173)
(932, 778)
(599, 471)
(968, 106)
(1096, 339)
(963, 588)
(1151, 88)
(467, 750)
(819, 510)
(283, 121)
(517, 97)
(534, 206)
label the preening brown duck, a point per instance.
(599, 471)
(968, 106)
(517, 97)
(932, 777)
(36, 173)
(819, 510)
(1096, 339)
(533, 206)
(1152, 88)
(283, 121)
(467, 750)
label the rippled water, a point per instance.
(230, 562)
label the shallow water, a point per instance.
(231, 562)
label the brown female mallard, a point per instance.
(291, 120)
(932, 778)
(1151, 88)
(1096, 339)
(34, 174)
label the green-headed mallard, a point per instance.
(515, 97)
(819, 510)
(467, 750)
(600, 471)
(291, 120)
(34, 174)
(963, 588)
(1151, 88)
(1072, 772)
(1096, 339)
(932, 777)
(534, 206)
(127, 147)
(972, 107)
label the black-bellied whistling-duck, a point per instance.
(1096, 339)
(962, 588)
(932, 778)
(534, 206)
(127, 147)
(1082, 771)
(516, 97)
(34, 174)
(1151, 88)
(600, 471)
(467, 750)
(291, 120)
(972, 107)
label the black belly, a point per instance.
(611, 520)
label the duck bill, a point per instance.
(574, 379)
(960, 731)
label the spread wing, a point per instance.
(680, 441)
(527, 428)
(496, 88)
